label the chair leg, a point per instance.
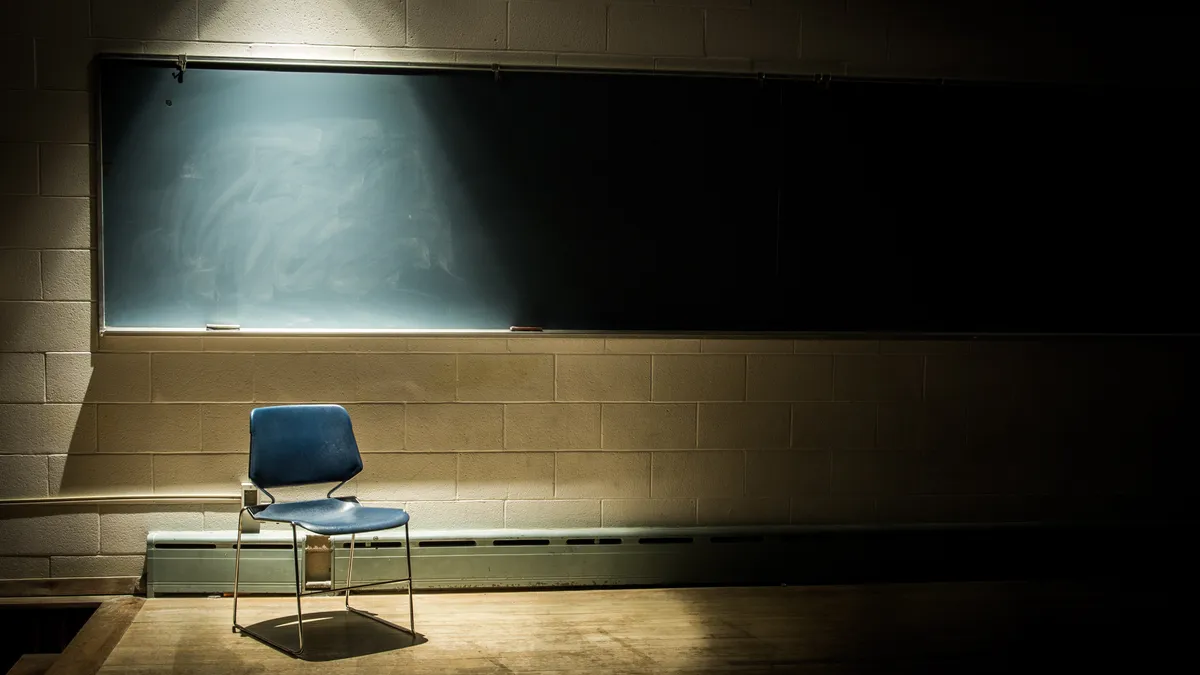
(412, 629)
(299, 613)
(350, 570)
(237, 568)
(412, 624)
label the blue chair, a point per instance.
(306, 445)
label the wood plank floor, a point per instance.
(909, 628)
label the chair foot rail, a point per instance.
(355, 586)
(381, 620)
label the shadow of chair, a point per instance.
(334, 635)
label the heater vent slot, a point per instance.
(736, 540)
(521, 542)
(375, 544)
(199, 546)
(188, 546)
(665, 540)
(447, 543)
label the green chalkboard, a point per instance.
(276, 196)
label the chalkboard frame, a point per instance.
(183, 64)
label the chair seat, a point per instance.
(332, 516)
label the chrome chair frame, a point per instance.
(299, 651)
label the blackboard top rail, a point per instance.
(750, 335)
(816, 75)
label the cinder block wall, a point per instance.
(538, 431)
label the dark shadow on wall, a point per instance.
(1027, 39)
(1084, 439)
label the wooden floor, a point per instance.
(908, 628)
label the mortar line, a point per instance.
(607, 28)
(875, 444)
(832, 377)
(800, 33)
(791, 439)
(924, 378)
(650, 397)
(745, 469)
(746, 377)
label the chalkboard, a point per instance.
(276, 197)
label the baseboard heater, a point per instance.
(202, 562)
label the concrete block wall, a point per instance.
(530, 431)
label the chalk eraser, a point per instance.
(525, 329)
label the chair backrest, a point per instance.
(301, 445)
